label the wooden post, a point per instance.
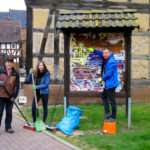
(29, 58)
(128, 66)
(56, 50)
(21, 55)
(45, 34)
(66, 67)
(149, 46)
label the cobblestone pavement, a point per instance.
(24, 139)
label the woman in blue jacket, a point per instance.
(42, 81)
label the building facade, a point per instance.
(11, 40)
(54, 53)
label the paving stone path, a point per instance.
(24, 139)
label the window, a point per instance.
(13, 46)
(3, 46)
(8, 46)
(18, 46)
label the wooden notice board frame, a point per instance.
(127, 36)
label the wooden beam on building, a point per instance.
(87, 5)
(47, 55)
(140, 57)
(141, 33)
(56, 49)
(140, 82)
(29, 45)
(45, 34)
(42, 30)
(149, 46)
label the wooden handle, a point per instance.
(34, 92)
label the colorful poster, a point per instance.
(85, 67)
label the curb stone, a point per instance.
(53, 136)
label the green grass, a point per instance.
(135, 138)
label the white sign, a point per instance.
(22, 79)
(22, 99)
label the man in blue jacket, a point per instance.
(111, 82)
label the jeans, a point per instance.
(8, 105)
(44, 103)
(108, 96)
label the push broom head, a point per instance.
(51, 129)
(29, 127)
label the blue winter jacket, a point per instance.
(111, 73)
(44, 86)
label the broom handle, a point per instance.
(22, 113)
(56, 101)
(34, 92)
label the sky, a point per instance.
(5, 5)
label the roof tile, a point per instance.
(10, 31)
(97, 18)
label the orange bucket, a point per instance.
(109, 127)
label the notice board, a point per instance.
(85, 67)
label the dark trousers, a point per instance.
(8, 105)
(108, 96)
(44, 98)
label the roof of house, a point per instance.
(10, 31)
(4, 16)
(18, 15)
(97, 19)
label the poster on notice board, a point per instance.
(85, 67)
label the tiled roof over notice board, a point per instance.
(97, 19)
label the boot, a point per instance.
(107, 116)
(9, 130)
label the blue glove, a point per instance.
(12, 99)
(34, 87)
(1, 82)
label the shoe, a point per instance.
(107, 116)
(32, 125)
(111, 119)
(9, 130)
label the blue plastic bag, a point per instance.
(70, 121)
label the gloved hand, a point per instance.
(12, 99)
(100, 80)
(1, 82)
(34, 87)
(90, 49)
(31, 70)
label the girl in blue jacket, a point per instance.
(42, 81)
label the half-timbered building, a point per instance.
(10, 39)
(45, 40)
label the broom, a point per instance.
(28, 125)
(49, 127)
(39, 125)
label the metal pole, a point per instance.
(65, 105)
(129, 112)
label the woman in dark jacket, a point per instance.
(42, 81)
